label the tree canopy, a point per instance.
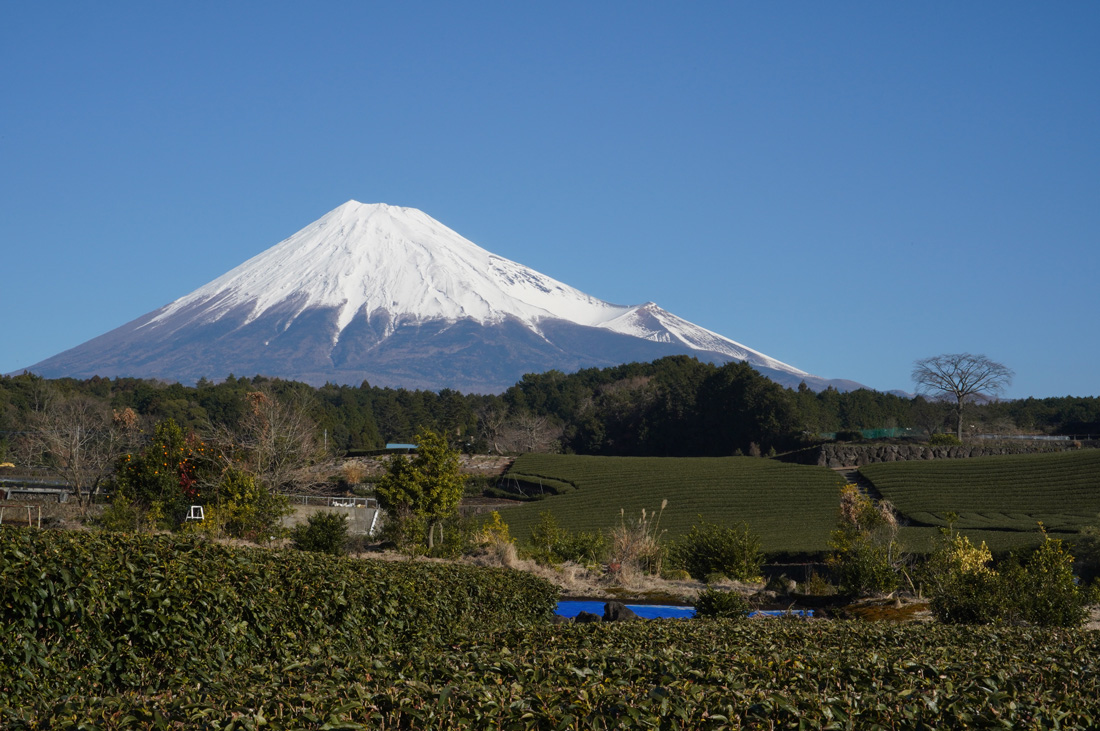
(426, 485)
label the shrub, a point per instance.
(581, 547)
(1041, 590)
(323, 533)
(552, 544)
(717, 604)
(865, 568)
(817, 585)
(545, 535)
(405, 531)
(1087, 550)
(971, 598)
(497, 541)
(460, 538)
(1046, 588)
(864, 546)
(944, 440)
(246, 510)
(495, 531)
(709, 548)
(120, 516)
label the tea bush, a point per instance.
(791, 507)
(322, 533)
(668, 674)
(709, 548)
(865, 568)
(116, 611)
(718, 604)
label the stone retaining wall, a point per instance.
(857, 455)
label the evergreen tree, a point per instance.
(427, 485)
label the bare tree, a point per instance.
(492, 421)
(963, 377)
(75, 440)
(276, 441)
(526, 432)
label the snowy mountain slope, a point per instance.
(390, 295)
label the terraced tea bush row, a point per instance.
(98, 611)
(1011, 492)
(792, 508)
(662, 674)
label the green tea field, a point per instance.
(117, 632)
(792, 508)
(997, 499)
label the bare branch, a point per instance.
(962, 376)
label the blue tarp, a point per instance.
(657, 611)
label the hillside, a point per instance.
(792, 507)
(998, 499)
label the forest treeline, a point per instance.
(676, 406)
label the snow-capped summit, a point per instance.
(390, 295)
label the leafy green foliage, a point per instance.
(120, 516)
(428, 485)
(169, 473)
(944, 440)
(716, 674)
(710, 548)
(91, 614)
(865, 568)
(244, 509)
(865, 550)
(322, 533)
(1041, 590)
(640, 409)
(1087, 549)
(717, 604)
(549, 543)
(1045, 588)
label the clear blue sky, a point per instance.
(846, 187)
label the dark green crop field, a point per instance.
(999, 500)
(792, 507)
(658, 674)
(101, 631)
(996, 495)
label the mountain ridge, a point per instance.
(390, 295)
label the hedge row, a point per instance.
(98, 612)
(661, 674)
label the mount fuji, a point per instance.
(392, 296)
